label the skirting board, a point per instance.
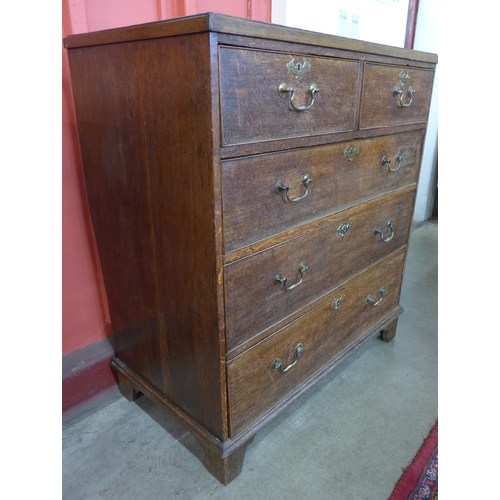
(88, 381)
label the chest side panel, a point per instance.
(145, 121)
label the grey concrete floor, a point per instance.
(348, 438)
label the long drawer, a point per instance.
(253, 107)
(394, 95)
(263, 375)
(257, 295)
(342, 174)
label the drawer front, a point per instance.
(343, 174)
(254, 110)
(387, 97)
(255, 387)
(256, 297)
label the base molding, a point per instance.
(224, 459)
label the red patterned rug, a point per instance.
(420, 479)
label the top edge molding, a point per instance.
(221, 23)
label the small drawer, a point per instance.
(312, 264)
(268, 95)
(257, 378)
(342, 174)
(394, 95)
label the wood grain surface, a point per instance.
(252, 109)
(249, 184)
(254, 302)
(379, 106)
(254, 387)
(153, 210)
(230, 25)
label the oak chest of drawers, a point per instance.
(251, 189)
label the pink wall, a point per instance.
(103, 14)
(85, 316)
(83, 305)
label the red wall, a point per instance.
(85, 316)
(83, 306)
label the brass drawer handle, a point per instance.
(284, 89)
(386, 161)
(306, 180)
(403, 78)
(378, 231)
(280, 280)
(399, 92)
(370, 300)
(277, 365)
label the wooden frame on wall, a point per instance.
(411, 23)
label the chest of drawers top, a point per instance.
(229, 25)
(251, 188)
